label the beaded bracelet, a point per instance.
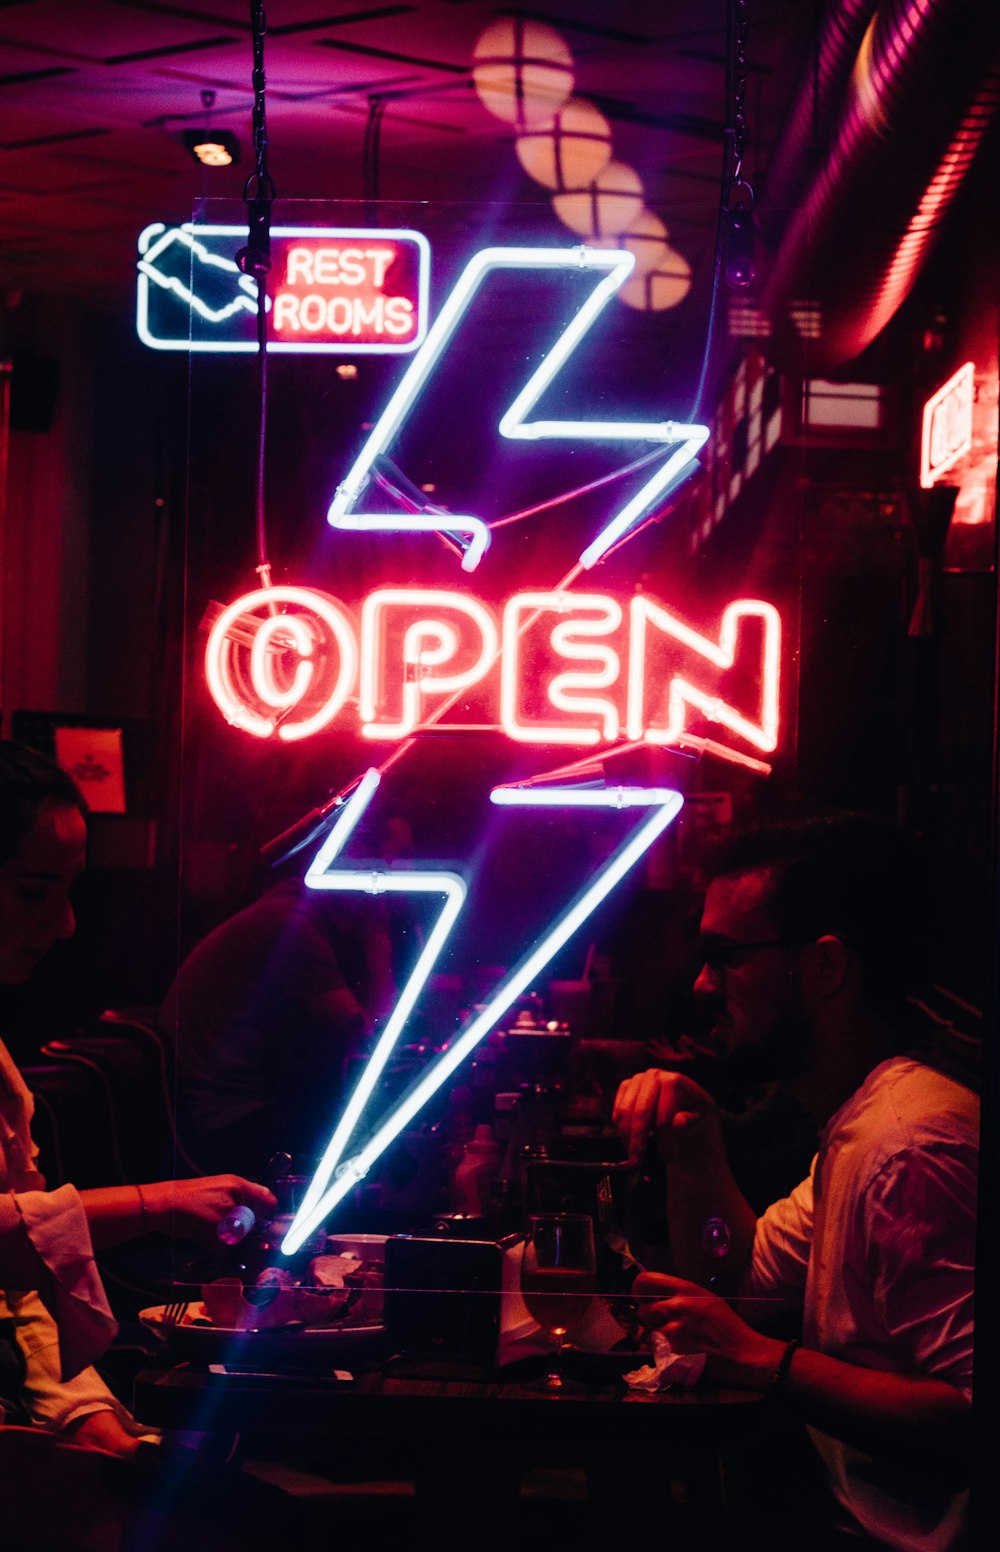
(143, 1209)
(777, 1383)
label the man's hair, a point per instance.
(850, 875)
(29, 782)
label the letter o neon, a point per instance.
(231, 689)
(339, 315)
(312, 313)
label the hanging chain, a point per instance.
(258, 23)
(258, 191)
(738, 196)
(255, 260)
(739, 193)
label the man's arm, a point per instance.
(922, 1420)
(700, 1184)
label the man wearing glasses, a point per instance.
(805, 936)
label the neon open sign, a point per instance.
(332, 290)
(548, 665)
(563, 667)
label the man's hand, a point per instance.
(678, 1110)
(695, 1321)
(192, 1208)
(102, 1431)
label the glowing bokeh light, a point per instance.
(570, 150)
(522, 70)
(608, 206)
(662, 285)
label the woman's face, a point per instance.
(35, 886)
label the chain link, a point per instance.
(739, 193)
(255, 260)
(258, 191)
(258, 23)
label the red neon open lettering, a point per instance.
(681, 668)
(571, 639)
(401, 673)
(573, 668)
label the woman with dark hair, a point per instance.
(55, 1322)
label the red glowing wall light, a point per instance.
(946, 431)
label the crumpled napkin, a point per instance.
(667, 1368)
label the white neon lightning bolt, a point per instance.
(665, 805)
(618, 264)
(415, 522)
(321, 875)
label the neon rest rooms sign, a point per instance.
(331, 290)
(562, 667)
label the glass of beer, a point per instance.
(558, 1280)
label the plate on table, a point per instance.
(195, 1338)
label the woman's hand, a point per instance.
(696, 1321)
(191, 1209)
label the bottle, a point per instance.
(236, 1225)
(476, 1173)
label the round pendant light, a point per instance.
(569, 150)
(665, 285)
(606, 207)
(522, 70)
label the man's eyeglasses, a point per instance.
(722, 954)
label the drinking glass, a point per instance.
(558, 1280)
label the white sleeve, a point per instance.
(54, 1403)
(921, 1226)
(45, 1244)
(780, 1257)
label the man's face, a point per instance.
(35, 886)
(754, 993)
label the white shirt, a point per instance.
(67, 1322)
(877, 1248)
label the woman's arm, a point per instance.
(19, 1262)
(187, 1209)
